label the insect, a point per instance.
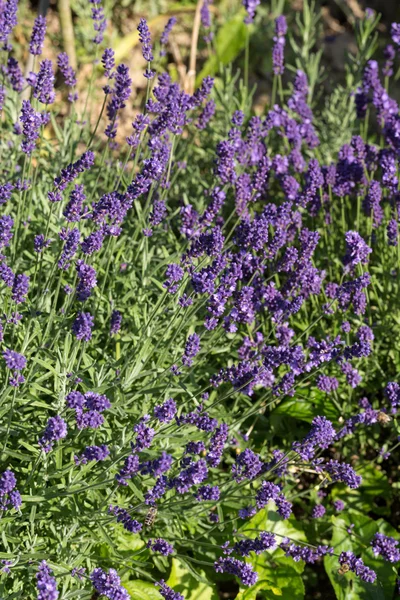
(345, 568)
(151, 517)
(383, 418)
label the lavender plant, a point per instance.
(199, 377)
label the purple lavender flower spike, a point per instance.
(97, 453)
(233, 566)
(31, 123)
(207, 492)
(108, 62)
(192, 348)
(9, 496)
(123, 517)
(357, 566)
(68, 73)
(14, 75)
(318, 511)
(217, 443)
(389, 54)
(131, 467)
(165, 34)
(8, 20)
(145, 40)
(87, 280)
(395, 33)
(392, 393)
(71, 243)
(82, 326)
(56, 429)
(44, 84)
(71, 172)
(6, 224)
(250, 6)
(40, 243)
(206, 116)
(46, 583)
(161, 546)
(120, 94)
(165, 412)
(258, 545)
(320, 435)
(13, 360)
(99, 21)
(305, 553)
(6, 190)
(37, 38)
(386, 546)
(357, 250)
(73, 210)
(248, 465)
(147, 48)
(116, 321)
(108, 584)
(168, 593)
(327, 384)
(393, 232)
(338, 505)
(279, 45)
(343, 472)
(20, 288)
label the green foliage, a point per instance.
(348, 586)
(229, 42)
(181, 579)
(142, 590)
(64, 516)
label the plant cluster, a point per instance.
(199, 371)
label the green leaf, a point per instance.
(142, 590)
(280, 576)
(182, 581)
(308, 408)
(229, 42)
(260, 586)
(349, 586)
(266, 520)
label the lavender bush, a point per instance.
(199, 372)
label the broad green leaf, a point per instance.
(129, 542)
(142, 590)
(182, 581)
(349, 586)
(307, 409)
(229, 42)
(268, 520)
(281, 576)
(269, 591)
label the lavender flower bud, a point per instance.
(37, 38)
(44, 85)
(46, 583)
(165, 34)
(145, 40)
(82, 326)
(99, 21)
(250, 6)
(56, 429)
(8, 20)
(108, 584)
